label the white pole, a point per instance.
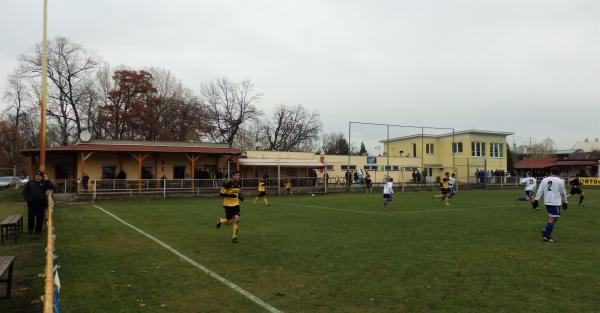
(278, 176)
(94, 197)
(164, 181)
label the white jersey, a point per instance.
(553, 189)
(387, 188)
(529, 183)
(451, 182)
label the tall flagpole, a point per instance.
(44, 90)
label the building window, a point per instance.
(345, 167)
(392, 167)
(109, 171)
(496, 150)
(477, 149)
(457, 147)
(330, 167)
(429, 148)
(370, 167)
(147, 172)
(178, 172)
(414, 150)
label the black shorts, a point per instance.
(288, 189)
(231, 211)
(575, 190)
(262, 193)
(444, 191)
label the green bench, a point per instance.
(6, 264)
(11, 227)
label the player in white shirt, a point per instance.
(555, 195)
(530, 183)
(452, 185)
(388, 191)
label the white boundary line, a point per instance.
(391, 212)
(201, 267)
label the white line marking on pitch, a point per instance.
(391, 212)
(201, 267)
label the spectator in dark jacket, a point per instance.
(34, 193)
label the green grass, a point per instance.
(29, 262)
(303, 254)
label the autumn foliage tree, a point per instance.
(128, 111)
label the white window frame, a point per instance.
(478, 149)
(429, 148)
(496, 150)
(456, 146)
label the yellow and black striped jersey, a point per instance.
(230, 188)
(262, 186)
(444, 182)
(287, 184)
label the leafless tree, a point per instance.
(231, 105)
(293, 128)
(69, 70)
(252, 136)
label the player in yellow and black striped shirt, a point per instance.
(445, 189)
(262, 191)
(230, 191)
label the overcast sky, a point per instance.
(531, 67)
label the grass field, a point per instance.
(331, 253)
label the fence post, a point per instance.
(402, 175)
(164, 181)
(94, 197)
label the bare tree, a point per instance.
(69, 70)
(231, 105)
(252, 136)
(180, 113)
(293, 128)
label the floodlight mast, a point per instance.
(388, 140)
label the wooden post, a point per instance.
(83, 158)
(140, 157)
(193, 158)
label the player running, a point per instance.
(452, 186)
(576, 189)
(530, 183)
(388, 191)
(445, 187)
(230, 191)
(262, 191)
(555, 195)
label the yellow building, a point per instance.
(303, 164)
(461, 152)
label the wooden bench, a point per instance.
(6, 264)
(11, 227)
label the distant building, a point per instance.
(588, 145)
(461, 152)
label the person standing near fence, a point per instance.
(85, 181)
(369, 184)
(555, 195)
(231, 193)
(288, 187)
(262, 191)
(35, 193)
